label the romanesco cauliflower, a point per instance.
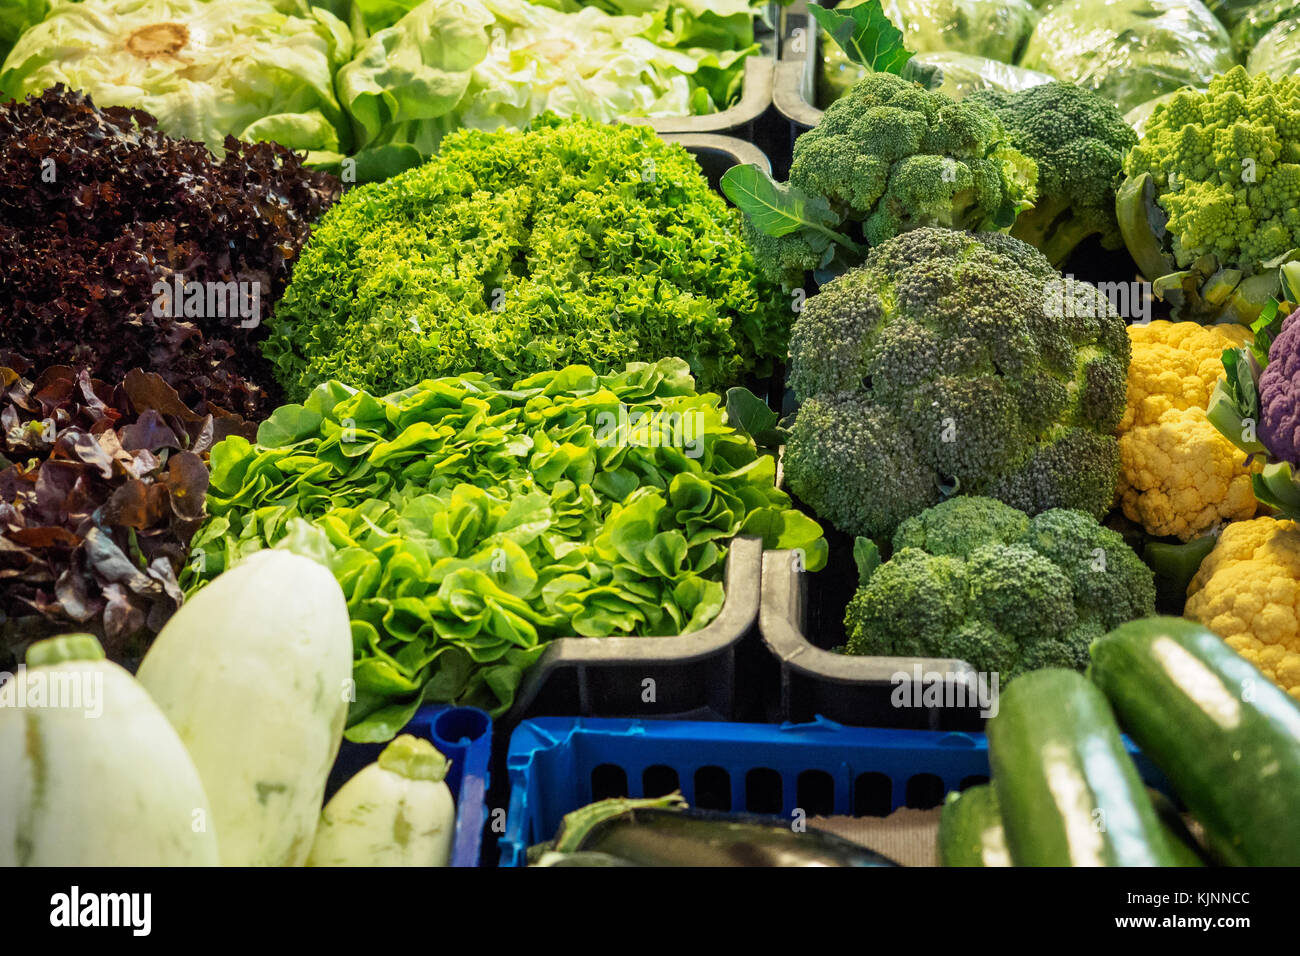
(1224, 166)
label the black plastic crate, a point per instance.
(704, 675)
(719, 673)
(741, 118)
(716, 154)
(794, 83)
(802, 619)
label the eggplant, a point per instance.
(552, 858)
(663, 832)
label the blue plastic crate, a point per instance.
(559, 764)
(464, 736)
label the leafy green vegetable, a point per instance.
(424, 69)
(260, 70)
(511, 253)
(469, 522)
(778, 209)
(15, 17)
(748, 413)
(1129, 51)
(866, 36)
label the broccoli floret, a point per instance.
(1078, 140)
(940, 366)
(840, 438)
(783, 258)
(1019, 591)
(915, 600)
(891, 156)
(960, 525)
(1111, 583)
(976, 580)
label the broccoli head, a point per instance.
(954, 362)
(1210, 206)
(1078, 139)
(977, 580)
(890, 156)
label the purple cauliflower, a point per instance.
(1279, 394)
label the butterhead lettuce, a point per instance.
(492, 64)
(15, 17)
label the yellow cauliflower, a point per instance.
(1178, 475)
(1248, 592)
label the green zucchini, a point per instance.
(1070, 795)
(970, 829)
(1225, 736)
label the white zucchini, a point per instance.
(254, 673)
(395, 812)
(91, 772)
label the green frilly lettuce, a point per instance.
(470, 522)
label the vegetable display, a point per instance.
(263, 716)
(369, 89)
(379, 386)
(954, 363)
(124, 248)
(107, 783)
(258, 70)
(887, 158)
(975, 580)
(1178, 476)
(422, 70)
(1256, 405)
(512, 253)
(101, 488)
(1209, 206)
(1246, 592)
(470, 521)
(1225, 743)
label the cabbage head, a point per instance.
(252, 69)
(997, 29)
(1130, 51)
